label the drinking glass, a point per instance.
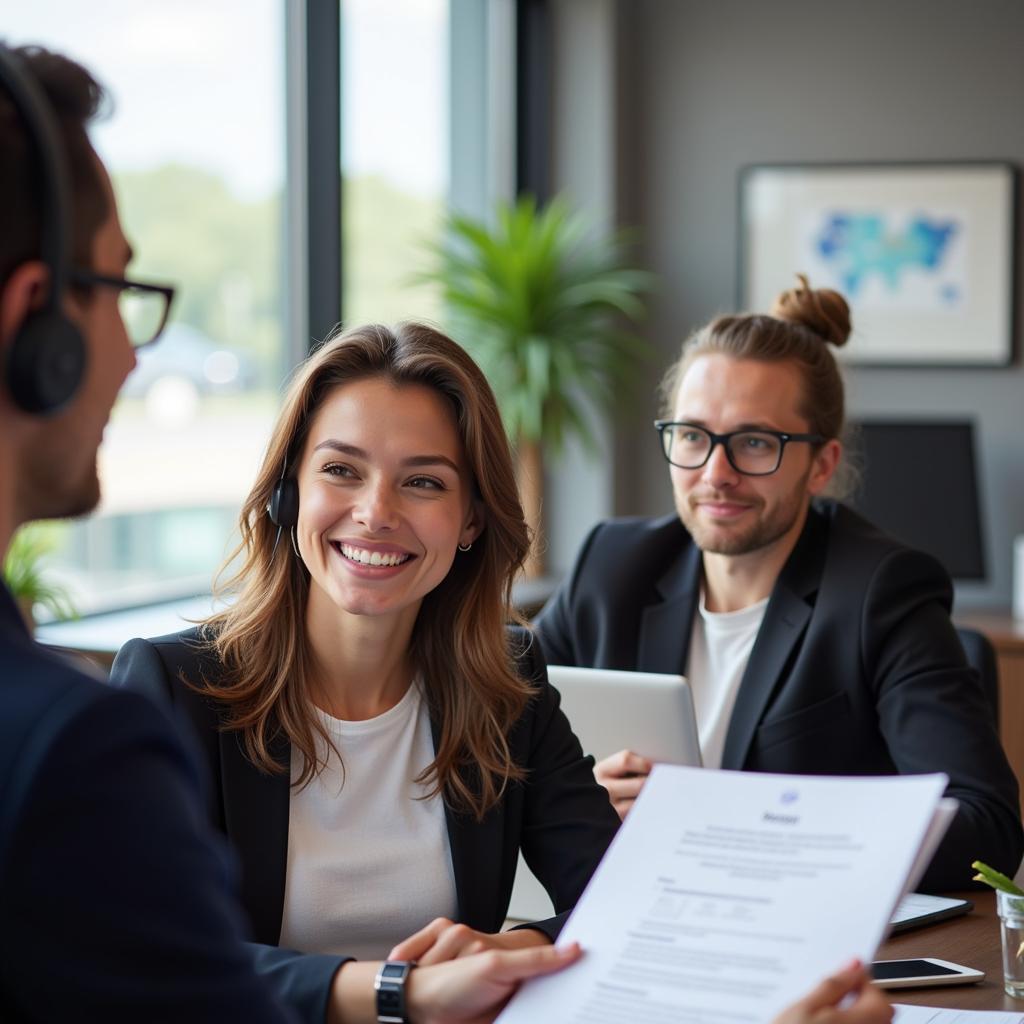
(1011, 919)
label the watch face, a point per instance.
(390, 986)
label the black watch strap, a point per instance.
(389, 984)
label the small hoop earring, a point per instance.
(295, 546)
(465, 547)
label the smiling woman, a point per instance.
(385, 745)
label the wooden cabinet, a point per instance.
(1007, 636)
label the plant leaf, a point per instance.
(25, 576)
(541, 300)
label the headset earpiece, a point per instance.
(45, 363)
(283, 507)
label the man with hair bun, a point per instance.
(814, 643)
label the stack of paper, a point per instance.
(728, 895)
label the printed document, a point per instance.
(932, 1015)
(726, 896)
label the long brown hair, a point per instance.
(459, 642)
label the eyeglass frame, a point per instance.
(781, 436)
(89, 279)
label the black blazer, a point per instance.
(560, 817)
(116, 901)
(856, 669)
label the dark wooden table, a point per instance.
(972, 940)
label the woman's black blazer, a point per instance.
(559, 816)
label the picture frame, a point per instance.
(923, 252)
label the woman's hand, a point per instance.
(623, 775)
(821, 1006)
(443, 940)
(469, 990)
(474, 989)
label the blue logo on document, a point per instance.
(789, 796)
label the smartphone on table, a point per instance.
(921, 972)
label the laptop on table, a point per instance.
(610, 710)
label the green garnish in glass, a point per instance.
(1000, 883)
(996, 879)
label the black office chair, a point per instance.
(981, 656)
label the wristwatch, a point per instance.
(389, 984)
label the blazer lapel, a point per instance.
(665, 628)
(785, 620)
(256, 819)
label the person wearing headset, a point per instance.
(384, 744)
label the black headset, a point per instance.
(283, 507)
(45, 360)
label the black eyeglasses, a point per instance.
(144, 307)
(750, 452)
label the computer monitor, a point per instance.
(919, 483)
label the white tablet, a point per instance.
(611, 710)
(647, 712)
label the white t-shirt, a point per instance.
(368, 863)
(720, 648)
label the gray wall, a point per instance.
(705, 87)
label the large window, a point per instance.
(195, 146)
(394, 150)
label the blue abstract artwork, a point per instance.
(859, 245)
(923, 253)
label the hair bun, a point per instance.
(820, 310)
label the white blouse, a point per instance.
(368, 862)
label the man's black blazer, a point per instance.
(559, 817)
(116, 899)
(856, 668)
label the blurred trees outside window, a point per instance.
(195, 144)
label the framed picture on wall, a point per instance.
(923, 253)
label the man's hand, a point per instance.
(623, 775)
(821, 1006)
(473, 990)
(443, 940)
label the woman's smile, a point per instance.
(373, 557)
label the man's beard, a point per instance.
(761, 531)
(49, 496)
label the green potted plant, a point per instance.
(543, 302)
(25, 575)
